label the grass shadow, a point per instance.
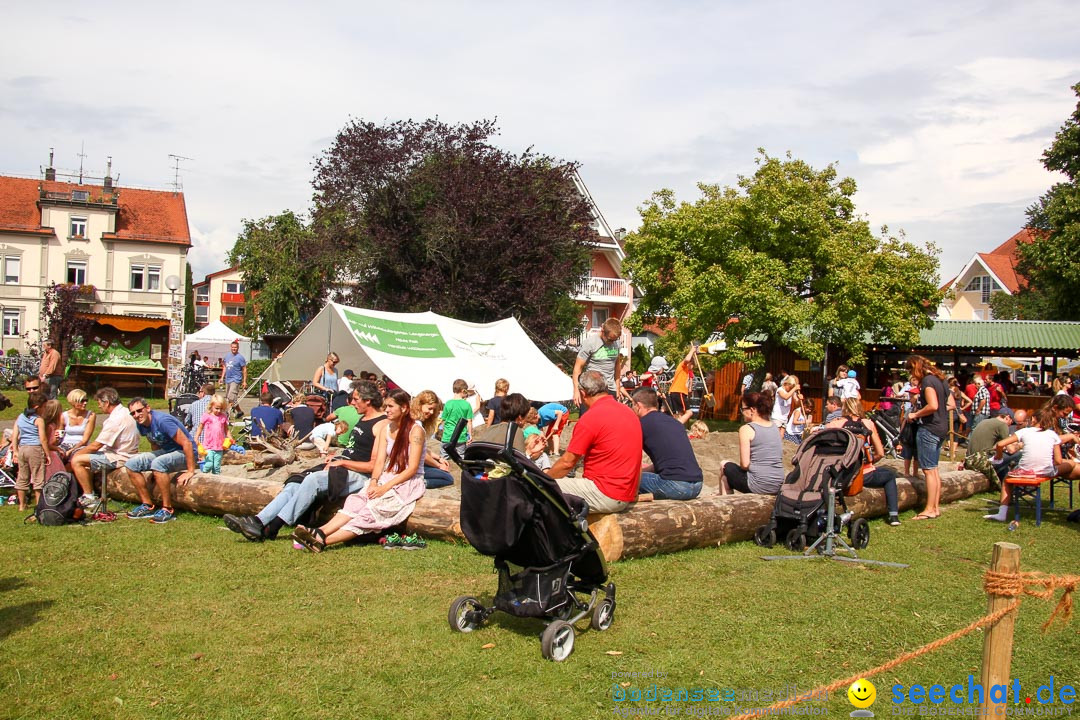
(11, 583)
(17, 617)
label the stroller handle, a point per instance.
(451, 447)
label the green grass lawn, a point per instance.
(187, 620)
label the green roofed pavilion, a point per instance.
(998, 337)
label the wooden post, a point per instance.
(998, 642)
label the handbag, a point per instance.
(907, 434)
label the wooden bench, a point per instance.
(1067, 482)
(146, 382)
(1028, 486)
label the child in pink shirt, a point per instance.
(213, 429)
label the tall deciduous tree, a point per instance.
(1049, 264)
(429, 216)
(286, 284)
(63, 318)
(782, 256)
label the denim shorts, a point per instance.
(929, 448)
(158, 461)
(98, 461)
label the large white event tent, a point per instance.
(423, 351)
(213, 341)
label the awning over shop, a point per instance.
(127, 323)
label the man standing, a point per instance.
(172, 450)
(608, 437)
(234, 374)
(117, 442)
(981, 442)
(343, 475)
(49, 371)
(674, 473)
(601, 353)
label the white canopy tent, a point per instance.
(213, 341)
(423, 351)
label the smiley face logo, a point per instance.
(862, 693)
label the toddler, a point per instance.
(325, 433)
(212, 429)
(698, 430)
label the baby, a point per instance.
(698, 430)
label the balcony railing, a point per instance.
(593, 288)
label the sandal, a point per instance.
(924, 516)
(313, 540)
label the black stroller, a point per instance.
(888, 427)
(544, 553)
(805, 511)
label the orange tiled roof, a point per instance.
(1002, 260)
(144, 215)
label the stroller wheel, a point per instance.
(459, 614)
(765, 536)
(557, 642)
(859, 533)
(603, 615)
(795, 541)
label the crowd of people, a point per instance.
(630, 439)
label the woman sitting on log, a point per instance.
(761, 456)
(425, 409)
(854, 421)
(399, 450)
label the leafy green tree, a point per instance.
(429, 216)
(1049, 264)
(782, 256)
(63, 318)
(286, 283)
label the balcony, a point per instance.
(602, 289)
(232, 298)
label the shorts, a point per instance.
(928, 446)
(99, 461)
(158, 461)
(31, 468)
(677, 403)
(232, 391)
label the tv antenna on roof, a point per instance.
(177, 185)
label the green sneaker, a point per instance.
(413, 542)
(393, 541)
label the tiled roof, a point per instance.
(1019, 335)
(1002, 260)
(144, 215)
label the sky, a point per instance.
(939, 111)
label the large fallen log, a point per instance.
(666, 526)
(651, 528)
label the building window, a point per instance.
(12, 269)
(76, 272)
(78, 227)
(233, 311)
(982, 284)
(202, 294)
(234, 287)
(202, 314)
(12, 326)
(146, 278)
(599, 316)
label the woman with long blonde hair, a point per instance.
(425, 409)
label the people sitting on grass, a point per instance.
(33, 443)
(608, 438)
(854, 420)
(425, 409)
(117, 443)
(674, 473)
(342, 475)
(760, 468)
(172, 451)
(397, 484)
(1040, 455)
(981, 455)
(265, 417)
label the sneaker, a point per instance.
(142, 512)
(393, 541)
(413, 542)
(162, 516)
(247, 525)
(893, 520)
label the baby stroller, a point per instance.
(826, 464)
(888, 427)
(8, 468)
(544, 554)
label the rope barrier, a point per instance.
(995, 583)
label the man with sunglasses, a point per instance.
(343, 474)
(173, 449)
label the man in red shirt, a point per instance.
(609, 438)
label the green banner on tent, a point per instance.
(398, 338)
(115, 355)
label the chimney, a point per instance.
(108, 176)
(50, 172)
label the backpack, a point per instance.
(59, 502)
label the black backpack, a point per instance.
(59, 502)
